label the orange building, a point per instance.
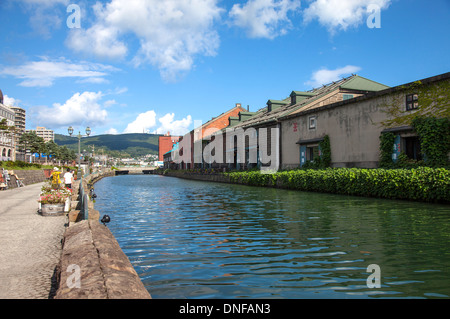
(165, 144)
(218, 123)
(198, 134)
(215, 124)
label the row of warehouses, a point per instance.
(285, 134)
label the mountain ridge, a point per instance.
(132, 144)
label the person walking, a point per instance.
(68, 179)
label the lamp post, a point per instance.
(88, 132)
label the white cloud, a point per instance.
(80, 109)
(341, 14)
(94, 80)
(264, 18)
(44, 73)
(109, 103)
(143, 123)
(10, 101)
(98, 40)
(170, 33)
(325, 76)
(179, 127)
(112, 131)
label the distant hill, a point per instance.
(135, 145)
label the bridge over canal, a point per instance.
(134, 171)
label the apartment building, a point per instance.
(46, 134)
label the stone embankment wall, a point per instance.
(92, 265)
(28, 177)
(219, 178)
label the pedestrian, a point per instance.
(68, 179)
(56, 181)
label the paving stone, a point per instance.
(30, 245)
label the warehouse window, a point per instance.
(411, 147)
(312, 152)
(312, 122)
(412, 102)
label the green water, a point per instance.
(189, 239)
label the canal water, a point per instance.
(190, 239)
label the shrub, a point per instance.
(386, 144)
(434, 136)
(421, 184)
(20, 165)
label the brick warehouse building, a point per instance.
(165, 144)
(195, 138)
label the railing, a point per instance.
(84, 201)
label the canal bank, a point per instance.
(422, 184)
(92, 264)
(106, 272)
(191, 239)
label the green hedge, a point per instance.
(421, 184)
(20, 165)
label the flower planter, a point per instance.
(52, 209)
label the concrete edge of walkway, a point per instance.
(93, 266)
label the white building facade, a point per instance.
(7, 140)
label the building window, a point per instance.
(412, 102)
(312, 152)
(347, 96)
(312, 123)
(412, 148)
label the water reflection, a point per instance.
(190, 239)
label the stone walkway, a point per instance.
(30, 245)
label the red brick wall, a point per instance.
(221, 121)
(165, 145)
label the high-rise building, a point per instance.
(47, 135)
(19, 119)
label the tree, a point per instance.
(53, 149)
(30, 141)
(66, 154)
(3, 125)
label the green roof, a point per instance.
(279, 108)
(277, 102)
(362, 84)
(301, 93)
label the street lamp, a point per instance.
(88, 132)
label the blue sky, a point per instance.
(159, 65)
